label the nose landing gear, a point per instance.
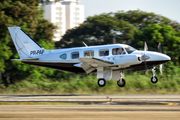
(154, 79)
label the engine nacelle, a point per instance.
(129, 59)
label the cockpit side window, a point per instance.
(104, 52)
(129, 49)
(118, 51)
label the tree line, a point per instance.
(131, 27)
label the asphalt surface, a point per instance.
(90, 107)
(97, 99)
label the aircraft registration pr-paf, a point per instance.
(108, 61)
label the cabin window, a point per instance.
(63, 56)
(104, 52)
(75, 55)
(89, 53)
(118, 51)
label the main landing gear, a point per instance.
(154, 79)
(101, 82)
(121, 82)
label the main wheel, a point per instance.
(154, 79)
(121, 83)
(101, 82)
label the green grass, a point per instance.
(136, 83)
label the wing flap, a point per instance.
(95, 62)
(87, 68)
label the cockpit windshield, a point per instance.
(130, 49)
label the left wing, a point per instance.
(90, 64)
(95, 62)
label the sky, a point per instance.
(167, 8)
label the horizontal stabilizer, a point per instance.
(25, 59)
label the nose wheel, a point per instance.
(101, 82)
(154, 79)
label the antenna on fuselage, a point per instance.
(84, 43)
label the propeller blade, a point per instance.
(145, 57)
(159, 46)
(160, 68)
(145, 48)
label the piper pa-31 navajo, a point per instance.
(108, 61)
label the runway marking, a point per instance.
(173, 104)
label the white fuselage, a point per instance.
(104, 52)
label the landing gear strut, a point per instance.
(154, 79)
(121, 82)
(101, 82)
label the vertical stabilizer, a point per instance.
(25, 46)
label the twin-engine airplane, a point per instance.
(109, 61)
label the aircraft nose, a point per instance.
(156, 56)
(165, 57)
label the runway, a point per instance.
(96, 99)
(90, 107)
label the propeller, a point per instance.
(145, 48)
(159, 47)
(160, 69)
(145, 57)
(161, 66)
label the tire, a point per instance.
(101, 82)
(122, 84)
(154, 79)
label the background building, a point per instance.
(65, 14)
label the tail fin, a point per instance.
(25, 46)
